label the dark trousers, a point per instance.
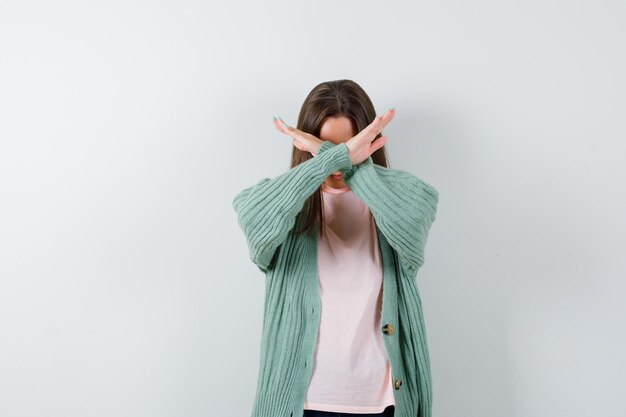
(387, 412)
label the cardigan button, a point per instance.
(388, 328)
(397, 384)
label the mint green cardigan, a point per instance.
(404, 207)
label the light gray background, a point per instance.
(127, 127)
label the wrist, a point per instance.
(325, 145)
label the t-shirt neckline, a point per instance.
(332, 190)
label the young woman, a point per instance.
(340, 238)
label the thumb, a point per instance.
(378, 143)
(298, 145)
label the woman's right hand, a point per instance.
(362, 145)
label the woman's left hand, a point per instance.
(301, 140)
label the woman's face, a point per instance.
(336, 130)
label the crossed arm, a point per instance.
(403, 205)
(267, 210)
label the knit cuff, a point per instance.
(325, 145)
(347, 172)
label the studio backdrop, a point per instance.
(127, 127)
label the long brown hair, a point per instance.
(331, 99)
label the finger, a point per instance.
(378, 124)
(294, 133)
(280, 125)
(378, 143)
(301, 139)
(277, 124)
(287, 129)
(383, 120)
(291, 131)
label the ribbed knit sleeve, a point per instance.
(403, 205)
(267, 210)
